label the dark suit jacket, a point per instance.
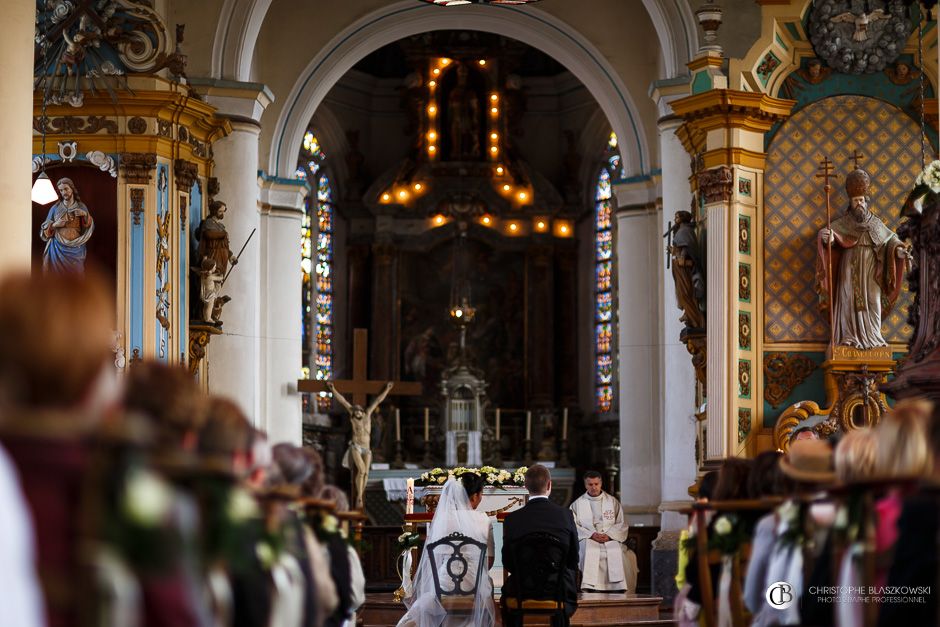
(541, 515)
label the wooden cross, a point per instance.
(826, 173)
(857, 156)
(360, 386)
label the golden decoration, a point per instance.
(782, 373)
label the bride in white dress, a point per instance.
(456, 512)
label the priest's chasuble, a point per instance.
(608, 565)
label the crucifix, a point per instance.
(358, 457)
(857, 156)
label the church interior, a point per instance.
(312, 293)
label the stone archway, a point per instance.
(402, 19)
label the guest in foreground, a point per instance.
(540, 515)
(607, 565)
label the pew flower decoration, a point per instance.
(407, 540)
(926, 189)
(147, 498)
(930, 177)
(723, 526)
(492, 476)
(241, 506)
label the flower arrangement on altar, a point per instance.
(490, 475)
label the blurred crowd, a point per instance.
(841, 531)
(134, 499)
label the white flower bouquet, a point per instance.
(491, 476)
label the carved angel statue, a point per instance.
(210, 289)
(861, 21)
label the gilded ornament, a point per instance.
(744, 330)
(137, 204)
(744, 282)
(744, 423)
(716, 184)
(782, 373)
(744, 231)
(75, 124)
(138, 166)
(137, 125)
(744, 378)
(185, 173)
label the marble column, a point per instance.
(676, 376)
(235, 358)
(16, 102)
(282, 207)
(638, 244)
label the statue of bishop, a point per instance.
(866, 269)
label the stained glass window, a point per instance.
(604, 306)
(316, 263)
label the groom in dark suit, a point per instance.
(540, 515)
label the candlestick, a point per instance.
(497, 426)
(397, 424)
(409, 495)
(564, 424)
(427, 423)
(528, 425)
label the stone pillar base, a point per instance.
(664, 561)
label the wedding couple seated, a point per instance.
(540, 553)
(452, 586)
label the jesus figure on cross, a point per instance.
(358, 457)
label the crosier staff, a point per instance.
(825, 173)
(238, 256)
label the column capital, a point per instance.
(665, 91)
(239, 101)
(637, 192)
(282, 196)
(750, 114)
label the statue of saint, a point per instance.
(464, 111)
(213, 239)
(687, 271)
(358, 457)
(66, 230)
(867, 269)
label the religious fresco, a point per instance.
(96, 192)
(496, 339)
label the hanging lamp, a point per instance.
(43, 191)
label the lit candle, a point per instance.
(497, 424)
(409, 495)
(564, 424)
(528, 425)
(397, 425)
(427, 424)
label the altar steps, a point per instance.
(594, 609)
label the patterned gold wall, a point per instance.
(795, 207)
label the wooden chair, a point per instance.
(451, 556)
(540, 589)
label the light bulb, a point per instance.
(432, 149)
(432, 135)
(523, 195)
(386, 197)
(499, 170)
(417, 187)
(486, 220)
(506, 187)
(494, 136)
(494, 149)
(482, 62)
(432, 109)
(494, 110)
(494, 97)
(43, 190)
(436, 71)
(513, 227)
(540, 225)
(403, 194)
(432, 84)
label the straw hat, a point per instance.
(810, 461)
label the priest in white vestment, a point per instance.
(607, 565)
